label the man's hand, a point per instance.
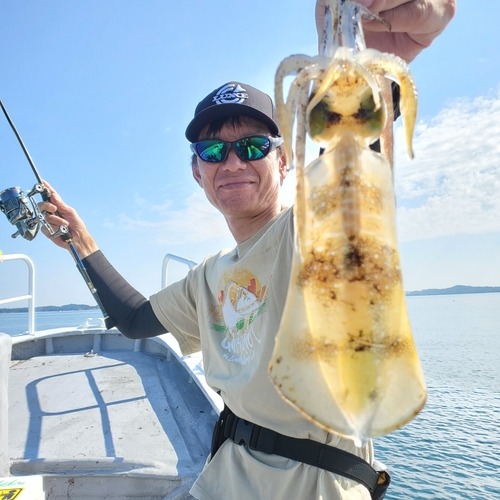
(84, 243)
(415, 24)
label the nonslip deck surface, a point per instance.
(117, 412)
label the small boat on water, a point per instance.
(92, 414)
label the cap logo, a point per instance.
(230, 94)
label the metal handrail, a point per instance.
(166, 260)
(31, 296)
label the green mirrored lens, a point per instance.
(213, 151)
(253, 148)
(247, 149)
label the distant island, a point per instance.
(454, 290)
(457, 289)
(67, 307)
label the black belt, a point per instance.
(307, 451)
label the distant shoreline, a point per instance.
(67, 307)
(454, 290)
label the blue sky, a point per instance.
(101, 92)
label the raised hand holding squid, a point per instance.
(344, 354)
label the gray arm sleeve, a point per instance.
(128, 309)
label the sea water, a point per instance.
(17, 323)
(451, 450)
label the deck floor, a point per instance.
(106, 412)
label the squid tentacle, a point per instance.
(288, 67)
(396, 69)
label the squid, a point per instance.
(344, 353)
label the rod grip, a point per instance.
(46, 197)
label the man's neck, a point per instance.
(244, 228)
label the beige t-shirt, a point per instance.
(230, 306)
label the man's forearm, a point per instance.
(128, 309)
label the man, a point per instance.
(230, 305)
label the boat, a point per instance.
(93, 414)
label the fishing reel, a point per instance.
(22, 211)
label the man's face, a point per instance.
(241, 189)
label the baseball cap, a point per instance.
(233, 99)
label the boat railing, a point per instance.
(30, 297)
(166, 261)
(192, 363)
(5, 352)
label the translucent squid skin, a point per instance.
(344, 354)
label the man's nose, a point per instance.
(234, 162)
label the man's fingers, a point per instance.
(415, 17)
(56, 203)
(54, 195)
(55, 221)
(407, 47)
(47, 206)
(414, 25)
(377, 6)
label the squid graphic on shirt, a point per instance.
(241, 300)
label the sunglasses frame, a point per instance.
(275, 142)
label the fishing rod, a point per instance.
(22, 211)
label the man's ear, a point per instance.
(283, 166)
(195, 169)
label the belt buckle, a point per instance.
(243, 432)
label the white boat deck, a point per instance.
(129, 422)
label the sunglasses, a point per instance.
(251, 148)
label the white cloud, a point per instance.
(193, 221)
(453, 185)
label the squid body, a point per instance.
(344, 354)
